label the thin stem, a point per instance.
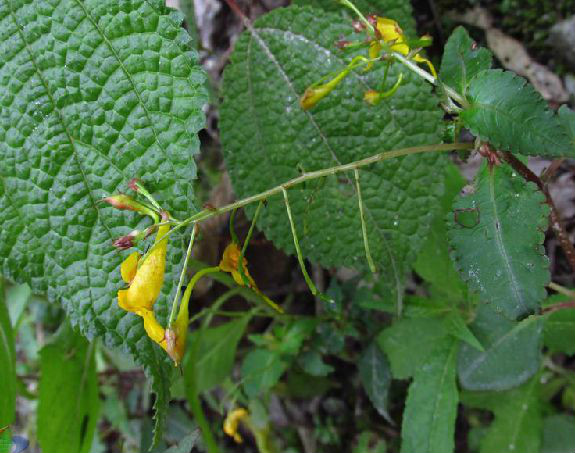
(182, 276)
(233, 228)
(207, 213)
(306, 276)
(359, 14)
(561, 289)
(148, 195)
(363, 224)
(429, 77)
(246, 242)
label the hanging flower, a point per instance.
(145, 284)
(392, 34)
(230, 263)
(232, 422)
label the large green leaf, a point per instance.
(409, 342)
(497, 236)
(517, 424)
(261, 370)
(511, 355)
(7, 364)
(567, 117)
(375, 376)
(210, 362)
(507, 111)
(92, 94)
(68, 399)
(398, 10)
(268, 139)
(431, 407)
(462, 60)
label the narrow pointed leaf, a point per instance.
(375, 376)
(431, 407)
(462, 60)
(511, 355)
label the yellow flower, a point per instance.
(145, 285)
(392, 34)
(230, 263)
(232, 422)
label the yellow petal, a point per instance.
(176, 334)
(147, 283)
(153, 328)
(389, 29)
(420, 59)
(231, 258)
(232, 422)
(129, 267)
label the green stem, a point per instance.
(182, 276)
(201, 420)
(363, 224)
(306, 276)
(359, 14)
(207, 213)
(561, 289)
(429, 77)
(247, 241)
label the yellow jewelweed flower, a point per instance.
(145, 285)
(392, 34)
(230, 261)
(232, 422)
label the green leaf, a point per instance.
(93, 93)
(271, 67)
(558, 434)
(67, 365)
(261, 370)
(512, 352)
(457, 327)
(517, 424)
(507, 112)
(398, 10)
(559, 327)
(214, 358)
(409, 342)
(433, 263)
(375, 376)
(7, 364)
(497, 236)
(567, 118)
(462, 60)
(312, 363)
(185, 445)
(431, 408)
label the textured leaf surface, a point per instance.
(92, 93)
(567, 117)
(517, 424)
(507, 111)
(214, 356)
(433, 263)
(461, 61)
(497, 237)
(409, 342)
(375, 376)
(267, 137)
(67, 365)
(429, 417)
(512, 352)
(7, 364)
(398, 10)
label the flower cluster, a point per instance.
(384, 38)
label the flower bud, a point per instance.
(125, 202)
